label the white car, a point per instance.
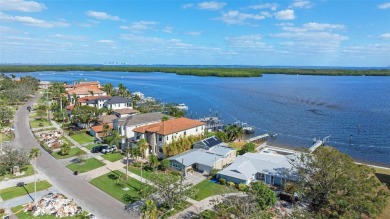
(108, 149)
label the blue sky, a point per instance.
(244, 32)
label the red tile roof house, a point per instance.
(164, 132)
(84, 91)
(98, 130)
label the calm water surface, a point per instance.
(355, 111)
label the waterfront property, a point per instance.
(203, 160)
(266, 166)
(125, 112)
(159, 134)
(84, 91)
(208, 143)
(125, 125)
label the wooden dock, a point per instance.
(259, 138)
(316, 145)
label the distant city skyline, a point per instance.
(252, 32)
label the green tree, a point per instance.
(85, 114)
(41, 111)
(153, 161)
(164, 164)
(337, 187)
(164, 118)
(263, 195)
(143, 147)
(113, 138)
(65, 149)
(11, 157)
(6, 115)
(248, 147)
(108, 88)
(34, 154)
(149, 210)
(233, 132)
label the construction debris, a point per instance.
(54, 204)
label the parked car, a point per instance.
(108, 149)
(97, 149)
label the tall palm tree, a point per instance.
(108, 88)
(143, 146)
(34, 154)
(121, 90)
(153, 161)
(149, 210)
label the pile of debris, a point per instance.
(54, 204)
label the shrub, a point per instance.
(175, 173)
(213, 173)
(242, 187)
(137, 163)
(231, 184)
(222, 181)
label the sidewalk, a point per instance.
(88, 176)
(55, 124)
(27, 179)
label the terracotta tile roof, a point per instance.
(85, 99)
(99, 128)
(85, 90)
(70, 107)
(170, 126)
(88, 83)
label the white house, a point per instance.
(165, 132)
(118, 102)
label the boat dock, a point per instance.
(259, 138)
(318, 143)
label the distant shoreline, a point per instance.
(200, 71)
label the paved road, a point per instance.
(86, 195)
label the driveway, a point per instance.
(89, 197)
(194, 178)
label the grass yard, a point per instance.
(14, 192)
(146, 171)
(67, 141)
(86, 166)
(90, 146)
(6, 136)
(38, 123)
(75, 151)
(110, 184)
(386, 211)
(177, 208)
(113, 156)
(28, 171)
(83, 138)
(19, 212)
(207, 214)
(206, 189)
(237, 145)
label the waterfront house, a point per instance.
(83, 84)
(90, 99)
(118, 102)
(203, 160)
(271, 168)
(84, 91)
(125, 125)
(165, 132)
(208, 143)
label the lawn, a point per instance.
(113, 156)
(86, 166)
(28, 170)
(177, 208)
(237, 145)
(90, 146)
(110, 184)
(206, 189)
(67, 141)
(38, 123)
(19, 212)
(75, 151)
(83, 138)
(146, 171)
(13, 192)
(6, 137)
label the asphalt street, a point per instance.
(86, 195)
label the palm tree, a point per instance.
(153, 161)
(114, 138)
(74, 98)
(128, 151)
(233, 132)
(91, 92)
(106, 128)
(108, 88)
(149, 210)
(143, 146)
(164, 118)
(34, 154)
(121, 90)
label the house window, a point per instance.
(272, 180)
(185, 133)
(160, 137)
(167, 138)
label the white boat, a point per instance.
(182, 106)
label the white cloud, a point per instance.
(70, 37)
(385, 36)
(272, 6)
(193, 33)
(140, 26)
(106, 41)
(236, 17)
(213, 5)
(167, 29)
(189, 5)
(322, 26)
(30, 21)
(384, 5)
(246, 41)
(102, 15)
(287, 14)
(301, 4)
(21, 5)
